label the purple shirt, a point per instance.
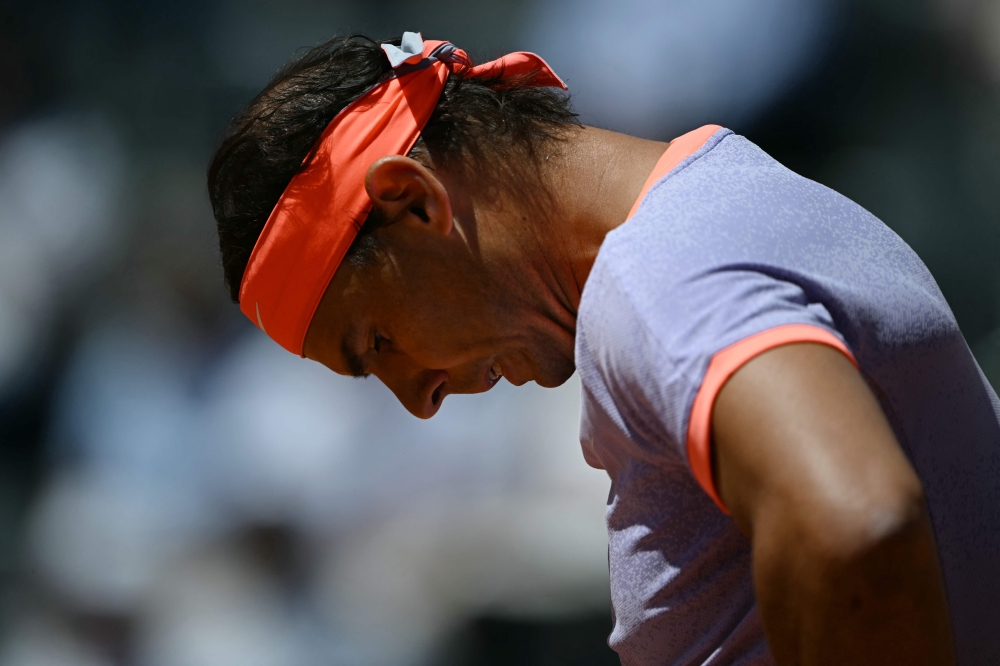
(729, 245)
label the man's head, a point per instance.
(425, 299)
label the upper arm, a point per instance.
(845, 567)
(801, 445)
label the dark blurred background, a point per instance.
(177, 491)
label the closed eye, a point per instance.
(378, 342)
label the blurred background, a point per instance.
(175, 490)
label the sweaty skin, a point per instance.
(467, 287)
(845, 567)
(467, 284)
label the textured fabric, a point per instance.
(324, 206)
(726, 246)
(679, 150)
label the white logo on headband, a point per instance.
(410, 50)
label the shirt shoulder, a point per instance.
(672, 287)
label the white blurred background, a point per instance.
(175, 490)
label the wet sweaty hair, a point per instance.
(478, 124)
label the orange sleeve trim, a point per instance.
(679, 150)
(722, 366)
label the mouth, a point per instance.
(495, 373)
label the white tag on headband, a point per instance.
(410, 50)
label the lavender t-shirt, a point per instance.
(728, 245)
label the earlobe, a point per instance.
(404, 189)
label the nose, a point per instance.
(421, 394)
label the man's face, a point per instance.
(429, 318)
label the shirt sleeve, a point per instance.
(664, 352)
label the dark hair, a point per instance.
(476, 121)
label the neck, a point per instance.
(539, 248)
(596, 180)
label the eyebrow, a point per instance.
(355, 366)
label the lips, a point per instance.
(495, 373)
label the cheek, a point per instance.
(436, 333)
(436, 317)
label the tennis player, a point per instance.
(804, 456)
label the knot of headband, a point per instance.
(321, 211)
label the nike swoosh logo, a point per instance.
(259, 322)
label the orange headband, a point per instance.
(321, 211)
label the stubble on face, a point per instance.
(440, 309)
(476, 300)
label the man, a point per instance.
(803, 452)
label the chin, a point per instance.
(555, 373)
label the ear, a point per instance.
(407, 191)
